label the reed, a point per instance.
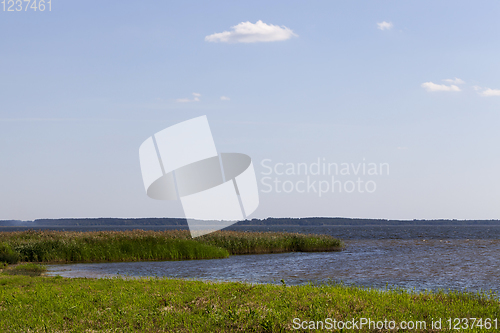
(139, 245)
(271, 242)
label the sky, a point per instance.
(406, 90)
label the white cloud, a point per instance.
(384, 25)
(454, 81)
(430, 86)
(490, 92)
(247, 32)
(196, 98)
(486, 92)
(224, 98)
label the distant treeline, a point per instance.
(309, 221)
(354, 221)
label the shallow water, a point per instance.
(460, 258)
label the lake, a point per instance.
(410, 257)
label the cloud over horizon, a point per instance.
(247, 32)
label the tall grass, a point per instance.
(57, 246)
(7, 254)
(135, 245)
(270, 242)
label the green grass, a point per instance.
(139, 245)
(55, 304)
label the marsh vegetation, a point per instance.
(139, 245)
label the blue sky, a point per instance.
(82, 86)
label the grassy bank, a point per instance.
(40, 304)
(100, 246)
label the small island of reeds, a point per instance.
(140, 245)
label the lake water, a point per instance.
(420, 257)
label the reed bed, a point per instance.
(102, 246)
(271, 242)
(135, 245)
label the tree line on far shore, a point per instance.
(309, 221)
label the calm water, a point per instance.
(421, 257)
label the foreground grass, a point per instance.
(40, 304)
(135, 245)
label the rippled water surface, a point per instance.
(423, 257)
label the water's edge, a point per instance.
(458, 258)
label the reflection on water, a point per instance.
(447, 263)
